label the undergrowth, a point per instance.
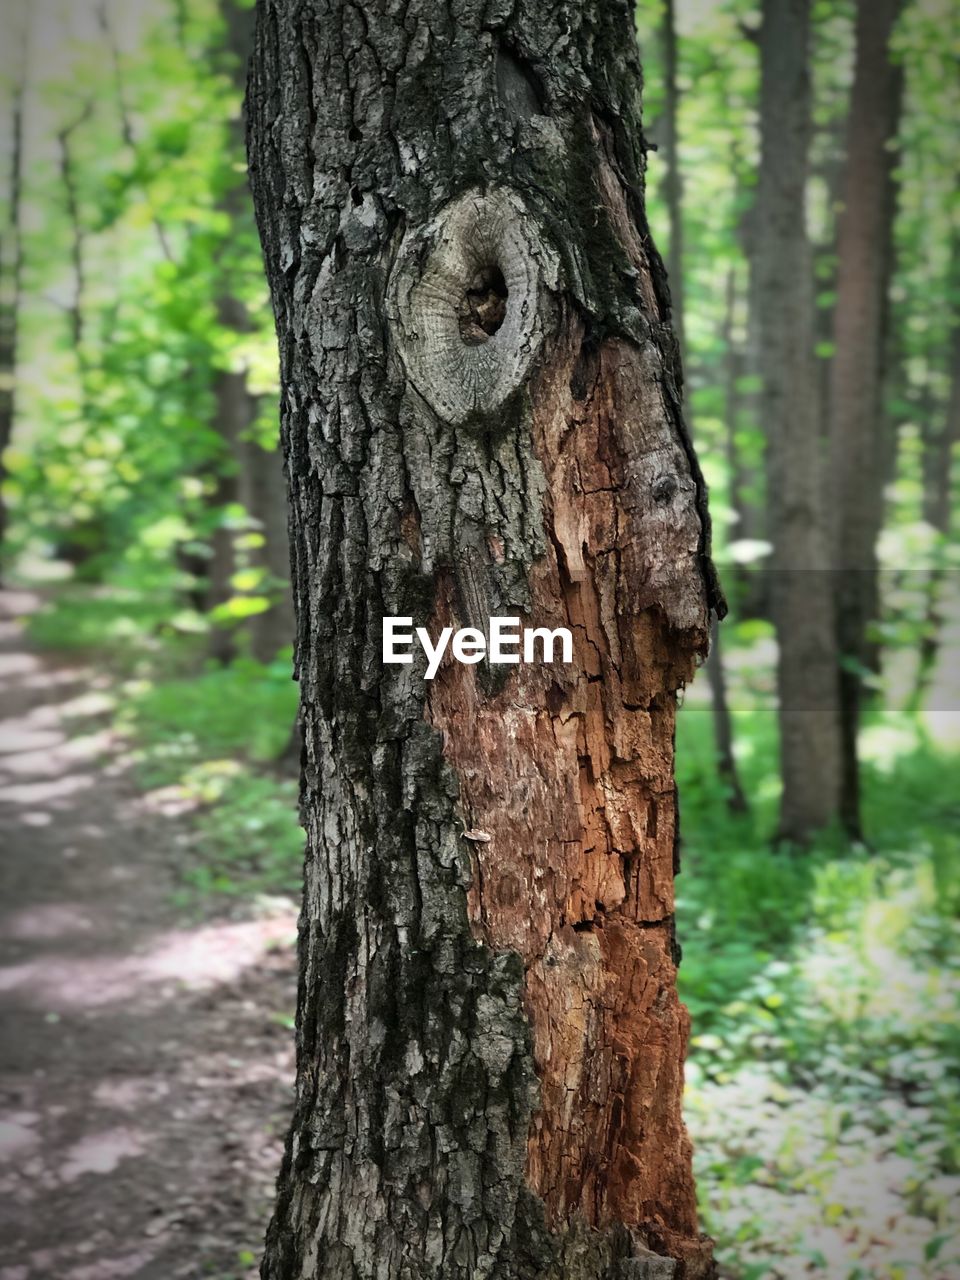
(824, 989)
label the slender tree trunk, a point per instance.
(265, 498)
(673, 193)
(938, 460)
(783, 313)
(235, 411)
(123, 113)
(672, 178)
(753, 509)
(11, 261)
(480, 417)
(863, 255)
(748, 580)
(81, 543)
(824, 253)
(71, 198)
(248, 474)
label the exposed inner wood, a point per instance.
(569, 770)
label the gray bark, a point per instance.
(480, 416)
(782, 305)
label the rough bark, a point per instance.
(782, 304)
(863, 256)
(480, 416)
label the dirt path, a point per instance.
(144, 1074)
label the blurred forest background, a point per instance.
(804, 192)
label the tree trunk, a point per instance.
(752, 502)
(863, 255)
(672, 178)
(939, 449)
(673, 193)
(480, 417)
(11, 259)
(265, 498)
(783, 310)
(235, 411)
(248, 474)
(745, 584)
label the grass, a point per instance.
(218, 739)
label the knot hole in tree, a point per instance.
(483, 306)
(470, 303)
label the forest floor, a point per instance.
(145, 1052)
(150, 860)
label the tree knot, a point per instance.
(469, 303)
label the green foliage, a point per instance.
(107, 622)
(244, 710)
(247, 839)
(219, 742)
(123, 465)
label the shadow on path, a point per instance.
(144, 1074)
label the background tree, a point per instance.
(782, 302)
(857, 453)
(11, 258)
(481, 417)
(673, 195)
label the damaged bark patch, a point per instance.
(577, 799)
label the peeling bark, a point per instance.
(480, 417)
